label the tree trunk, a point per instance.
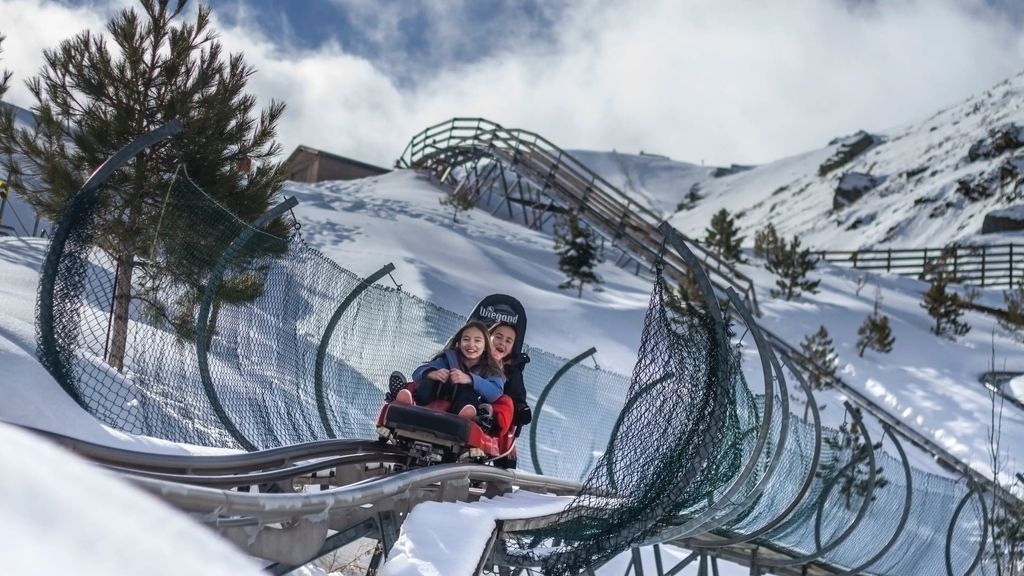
(122, 303)
(579, 293)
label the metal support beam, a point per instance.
(325, 340)
(539, 406)
(203, 336)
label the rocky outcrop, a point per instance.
(730, 170)
(1004, 220)
(852, 186)
(998, 140)
(849, 148)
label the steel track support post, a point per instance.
(331, 543)
(388, 528)
(690, 559)
(376, 560)
(637, 561)
(659, 566)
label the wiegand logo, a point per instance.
(500, 314)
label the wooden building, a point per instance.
(311, 165)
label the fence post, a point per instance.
(984, 253)
(1011, 267)
(888, 260)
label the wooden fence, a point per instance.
(988, 266)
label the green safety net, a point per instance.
(679, 439)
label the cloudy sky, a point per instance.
(715, 81)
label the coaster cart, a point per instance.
(432, 435)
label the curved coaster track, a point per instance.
(691, 455)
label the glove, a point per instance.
(523, 415)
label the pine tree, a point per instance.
(5, 75)
(723, 236)
(854, 481)
(461, 200)
(1014, 318)
(945, 307)
(576, 246)
(875, 333)
(819, 349)
(92, 98)
(766, 241)
(791, 265)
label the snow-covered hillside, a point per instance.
(928, 183)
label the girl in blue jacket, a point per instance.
(465, 371)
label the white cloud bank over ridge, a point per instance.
(725, 81)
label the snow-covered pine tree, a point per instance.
(791, 265)
(819, 348)
(945, 307)
(875, 333)
(723, 236)
(577, 250)
(461, 200)
(93, 97)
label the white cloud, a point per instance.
(721, 81)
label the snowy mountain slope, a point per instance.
(933, 182)
(655, 181)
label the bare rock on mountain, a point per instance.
(849, 148)
(1004, 220)
(852, 186)
(998, 140)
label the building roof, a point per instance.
(307, 149)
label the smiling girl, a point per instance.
(468, 365)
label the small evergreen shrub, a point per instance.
(577, 249)
(766, 241)
(875, 332)
(723, 236)
(461, 200)
(820, 350)
(945, 308)
(791, 265)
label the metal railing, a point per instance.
(629, 225)
(988, 266)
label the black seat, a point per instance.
(416, 421)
